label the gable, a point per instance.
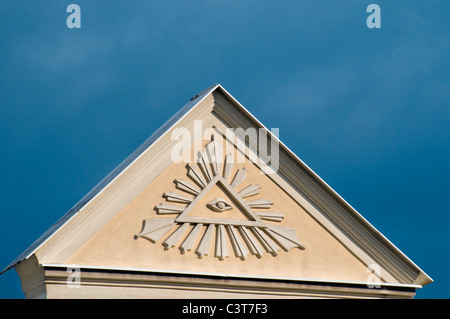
(287, 223)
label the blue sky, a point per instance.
(367, 109)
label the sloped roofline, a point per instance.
(424, 278)
(187, 108)
(112, 176)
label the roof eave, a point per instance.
(188, 107)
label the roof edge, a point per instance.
(116, 172)
(421, 279)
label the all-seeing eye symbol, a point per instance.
(219, 205)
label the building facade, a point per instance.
(213, 205)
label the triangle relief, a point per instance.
(210, 208)
(217, 202)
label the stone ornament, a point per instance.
(247, 236)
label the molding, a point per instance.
(174, 272)
(32, 278)
(210, 284)
(216, 106)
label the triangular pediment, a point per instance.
(220, 207)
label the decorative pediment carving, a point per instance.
(245, 229)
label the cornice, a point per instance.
(251, 285)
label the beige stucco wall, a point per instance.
(115, 245)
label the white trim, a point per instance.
(155, 137)
(175, 272)
(142, 149)
(291, 153)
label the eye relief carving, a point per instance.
(219, 205)
(250, 235)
